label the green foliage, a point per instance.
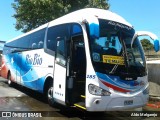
(33, 13)
(147, 45)
(102, 4)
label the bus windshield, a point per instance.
(113, 52)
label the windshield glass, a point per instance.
(112, 52)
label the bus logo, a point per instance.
(36, 60)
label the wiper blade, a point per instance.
(115, 67)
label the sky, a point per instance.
(142, 14)
(7, 22)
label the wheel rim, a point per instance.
(9, 82)
(9, 79)
(50, 93)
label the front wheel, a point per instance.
(49, 96)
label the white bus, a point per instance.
(90, 58)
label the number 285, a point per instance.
(91, 76)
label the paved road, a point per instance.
(21, 101)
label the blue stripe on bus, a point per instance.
(36, 84)
(115, 80)
(20, 68)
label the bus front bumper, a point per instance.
(106, 103)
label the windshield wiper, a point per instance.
(115, 67)
(125, 58)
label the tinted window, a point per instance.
(31, 41)
(60, 47)
(19, 44)
(76, 29)
(6, 50)
(37, 39)
(60, 58)
(23, 42)
(60, 31)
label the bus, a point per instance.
(91, 59)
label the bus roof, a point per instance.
(79, 16)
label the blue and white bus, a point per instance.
(90, 58)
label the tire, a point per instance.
(49, 95)
(10, 83)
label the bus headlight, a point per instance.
(95, 90)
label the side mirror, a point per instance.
(156, 45)
(93, 24)
(94, 30)
(151, 35)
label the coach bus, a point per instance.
(91, 59)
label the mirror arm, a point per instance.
(144, 33)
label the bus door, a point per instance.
(59, 86)
(78, 69)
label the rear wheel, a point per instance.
(10, 83)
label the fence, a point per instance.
(152, 55)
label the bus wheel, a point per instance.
(50, 98)
(10, 83)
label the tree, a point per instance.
(33, 13)
(147, 45)
(103, 4)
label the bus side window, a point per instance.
(51, 44)
(40, 44)
(76, 29)
(36, 39)
(61, 31)
(6, 50)
(34, 45)
(19, 43)
(51, 38)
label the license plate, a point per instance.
(128, 102)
